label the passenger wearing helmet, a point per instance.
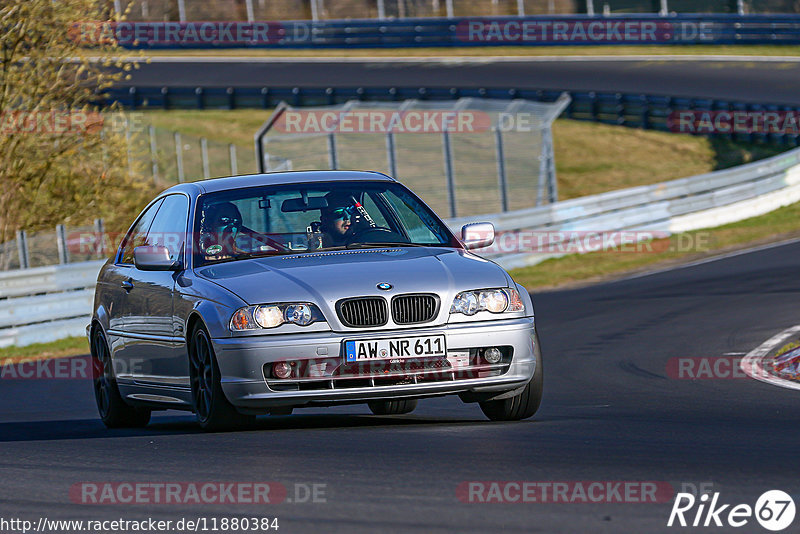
(220, 226)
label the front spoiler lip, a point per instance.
(477, 385)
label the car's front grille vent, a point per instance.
(414, 309)
(363, 312)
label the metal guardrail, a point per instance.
(652, 112)
(44, 304)
(705, 200)
(585, 30)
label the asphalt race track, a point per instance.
(773, 82)
(610, 413)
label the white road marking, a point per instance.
(752, 363)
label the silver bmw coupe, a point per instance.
(236, 297)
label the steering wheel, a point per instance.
(358, 237)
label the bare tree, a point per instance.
(60, 159)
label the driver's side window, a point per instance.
(138, 234)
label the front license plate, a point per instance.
(391, 348)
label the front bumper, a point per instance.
(241, 362)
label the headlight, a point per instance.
(273, 315)
(491, 300)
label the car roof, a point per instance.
(274, 178)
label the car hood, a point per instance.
(326, 277)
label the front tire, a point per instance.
(525, 404)
(114, 412)
(212, 408)
(392, 407)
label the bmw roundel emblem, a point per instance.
(384, 286)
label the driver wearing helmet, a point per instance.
(221, 224)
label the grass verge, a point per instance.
(71, 346)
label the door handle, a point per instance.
(127, 285)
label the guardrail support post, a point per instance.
(100, 236)
(333, 156)
(153, 152)
(548, 159)
(22, 249)
(391, 153)
(448, 171)
(234, 162)
(179, 156)
(61, 242)
(501, 169)
(204, 157)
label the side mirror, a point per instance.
(154, 258)
(477, 235)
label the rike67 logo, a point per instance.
(774, 510)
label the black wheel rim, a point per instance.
(103, 374)
(202, 377)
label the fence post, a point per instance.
(590, 8)
(204, 157)
(521, 8)
(448, 171)
(449, 7)
(664, 11)
(314, 10)
(182, 10)
(100, 236)
(179, 156)
(333, 156)
(22, 249)
(153, 152)
(501, 168)
(250, 14)
(234, 162)
(381, 9)
(392, 154)
(61, 242)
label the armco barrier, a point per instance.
(462, 32)
(47, 303)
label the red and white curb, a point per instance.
(752, 364)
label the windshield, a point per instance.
(296, 218)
